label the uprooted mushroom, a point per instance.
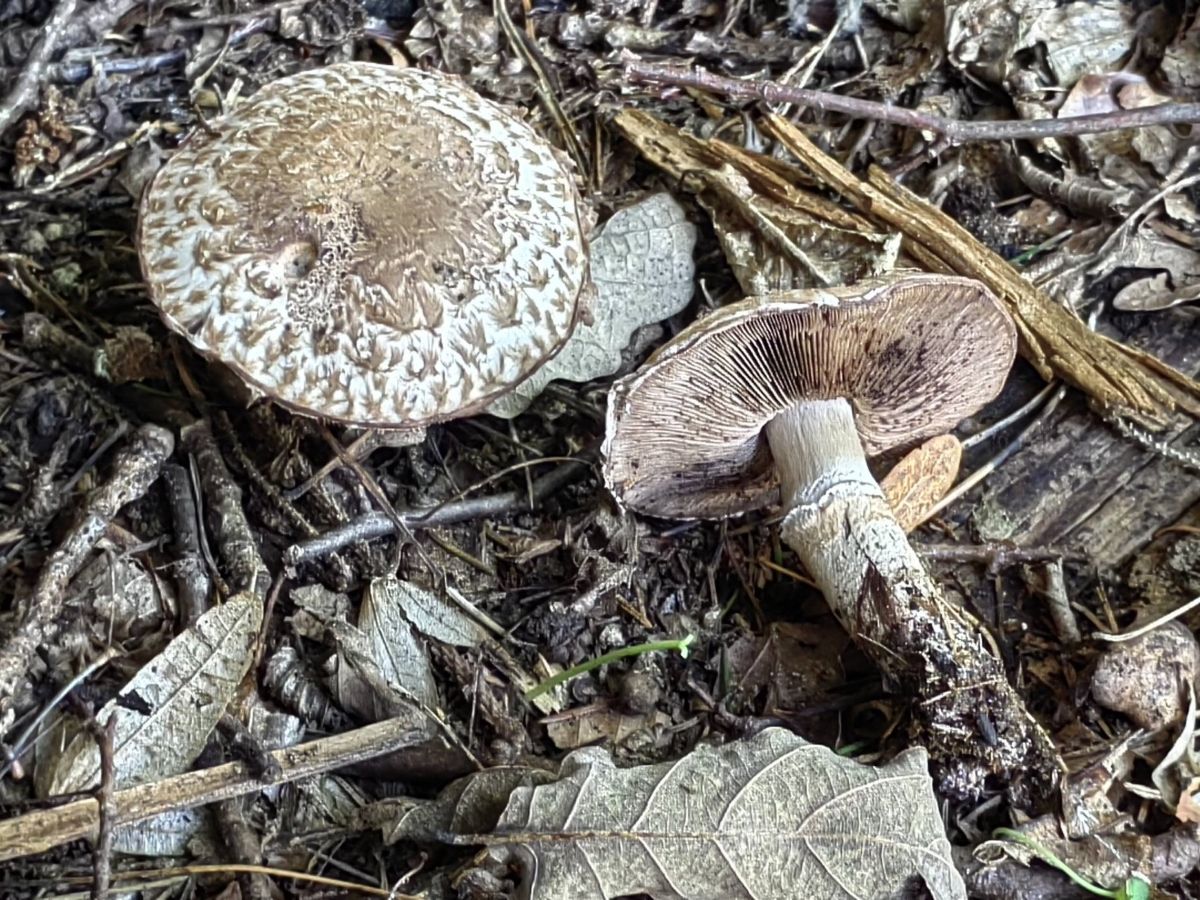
(782, 399)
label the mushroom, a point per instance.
(369, 245)
(783, 398)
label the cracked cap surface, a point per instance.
(913, 355)
(371, 245)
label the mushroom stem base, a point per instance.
(973, 720)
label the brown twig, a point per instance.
(24, 92)
(953, 131)
(136, 467)
(43, 829)
(102, 851)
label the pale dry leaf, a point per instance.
(166, 834)
(771, 817)
(1187, 809)
(362, 687)
(1181, 762)
(1176, 267)
(325, 803)
(1181, 62)
(1155, 293)
(642, 268)
(1088, 805)
(921, 479)
(435, 618)
(184, 690)
(401, 657)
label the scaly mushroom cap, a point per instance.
(371, 245)
(913, 355)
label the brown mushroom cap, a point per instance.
(913, 355)
(371, 245)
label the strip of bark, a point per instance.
(39, 831)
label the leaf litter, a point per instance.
(495, 564)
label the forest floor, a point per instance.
(1087, 521)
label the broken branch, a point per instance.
(952, 131)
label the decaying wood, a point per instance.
(39, 831)
(1084, 488)
(136, 467)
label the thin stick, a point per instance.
(43, 829)
(102, 853)
(995, 462)
(377, 525)
(996, 427)
(953, 131)
(13, 756)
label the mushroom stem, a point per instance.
(816, 446)
(840, 525)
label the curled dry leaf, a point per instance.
(772, 246)
(642, 270)
(598, 723)
(1147, 678)
(771, 817)
(167, 711)
(1175, 268)
(988, 40)
(922, 478)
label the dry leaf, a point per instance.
(470, 805)
(401, 658)
(579, 728)
(642, 268)
(1187, 809)
(775, 236)
(771, 817)
(435, 618)
(916, 483)
(773, 247)
(167, 711)
(1177, 267)
(988, 39)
